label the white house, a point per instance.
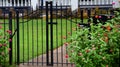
(105, 3)
(81, 3)
(15, 3)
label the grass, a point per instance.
(33, 36)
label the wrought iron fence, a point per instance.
(35, 34)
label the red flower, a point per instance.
(0, 45)
(105, 34)
(9, 31)
(66, 44)
(108, 28)
(5, 44)
(96, 16)
(66, 56)
(87, 51)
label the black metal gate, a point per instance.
(40, 37)
(43, 36)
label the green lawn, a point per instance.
(33, 36)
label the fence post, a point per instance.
(89, 14)
(47, 35)
(10, 37)
(81, 11)
(51, 33)
(18, 42)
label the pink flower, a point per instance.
(0, 27)
(66, 56)
(108, 17)
(100, 16)
(9, 49)
(9, 31)
(113, 3)
(10, 40)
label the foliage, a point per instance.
(116, 19)
(4, 50)
(96, 46)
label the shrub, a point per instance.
(96, 46)
(4, 50)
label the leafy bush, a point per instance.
(96, 46)
(4, 48)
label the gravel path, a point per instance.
(61, 59)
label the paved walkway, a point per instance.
(57, 53)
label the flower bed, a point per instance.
(4, 48)
(97, 46)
